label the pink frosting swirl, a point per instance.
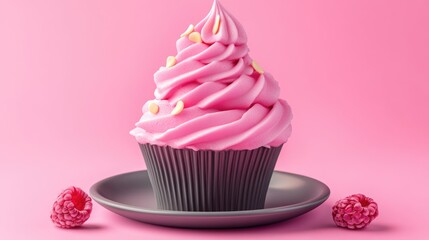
(228, 104)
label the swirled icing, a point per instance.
(227, 104)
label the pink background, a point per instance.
(74, 75)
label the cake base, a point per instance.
(207, 180)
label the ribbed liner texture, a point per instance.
(206, 180)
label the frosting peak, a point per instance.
(229, 31)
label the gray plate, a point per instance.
(131, 196)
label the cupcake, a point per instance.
(212, 135)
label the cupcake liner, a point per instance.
(207, 180)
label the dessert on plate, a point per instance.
(213, 133)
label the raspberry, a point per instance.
(354, 212)
(72, 208)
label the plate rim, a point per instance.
(314, 201)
